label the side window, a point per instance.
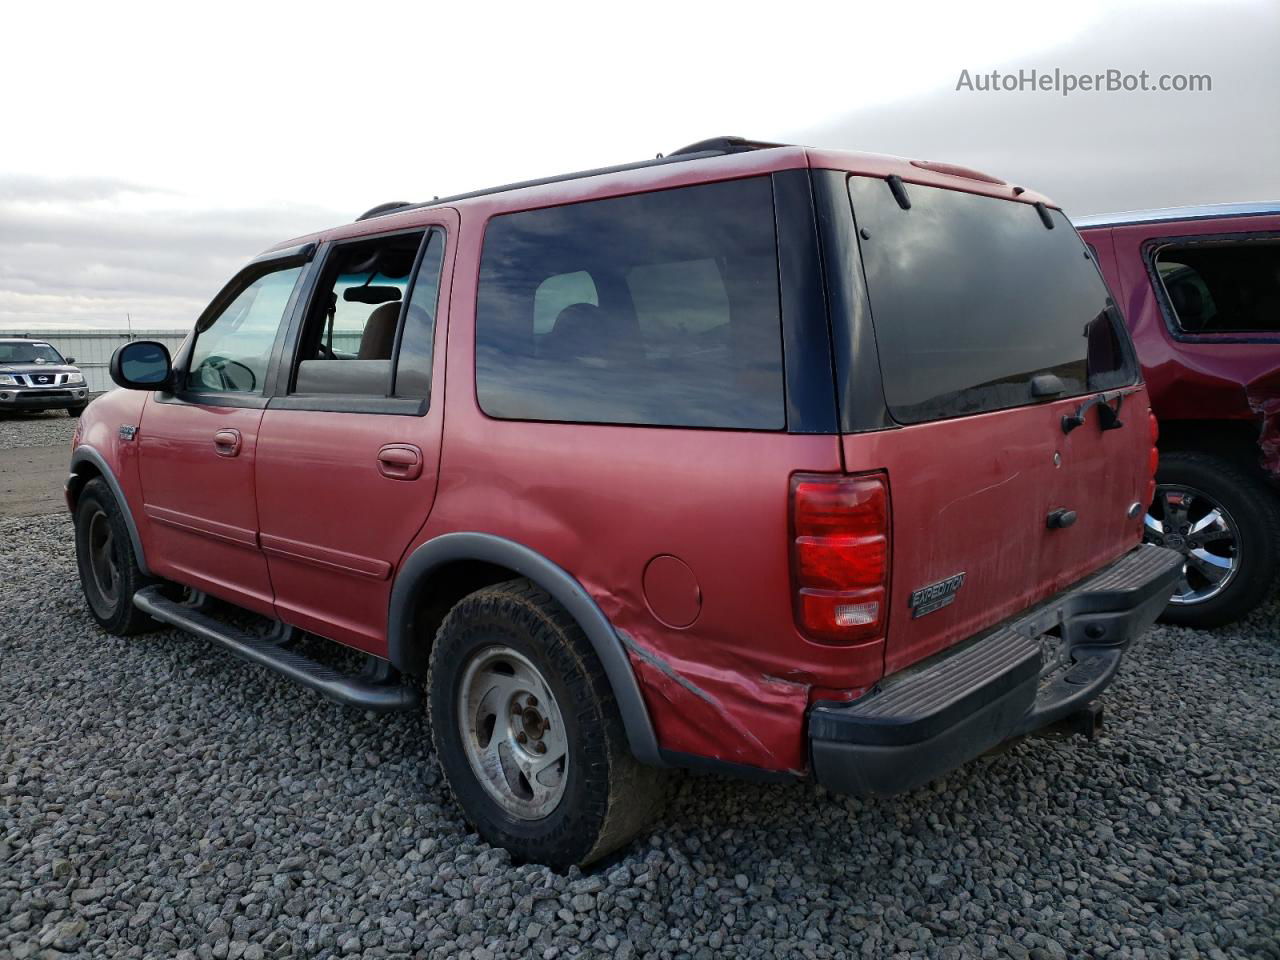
(413, 364)
(232, 350)
(659, 308)
(354, 322)
(1231, 287)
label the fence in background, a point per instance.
(93, 348)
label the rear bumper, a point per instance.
(1030, 671)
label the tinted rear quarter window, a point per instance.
(658, 308)
(972, 297)
(1223, 287)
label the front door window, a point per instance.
(233, 350)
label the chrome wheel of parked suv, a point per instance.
(527, 731)
(1197, 526)
(1223, 520)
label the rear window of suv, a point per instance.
(658, 308)
(972, 297)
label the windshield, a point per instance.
(29, 353)
(972, 298)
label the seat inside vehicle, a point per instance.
(349, 338)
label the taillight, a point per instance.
(1153, 457)
(840, 556)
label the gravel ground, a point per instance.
(41, 429)
(159, 798)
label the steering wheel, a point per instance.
(233, 376)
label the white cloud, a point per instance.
(152, 148)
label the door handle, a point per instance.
(226, 442)
(400, 461)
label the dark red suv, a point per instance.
(763, 459)
(1200, 287)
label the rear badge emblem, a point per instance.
(936, 595)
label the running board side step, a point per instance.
(354, 691)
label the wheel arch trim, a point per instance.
(87, 454)
(417, 569)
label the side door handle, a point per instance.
(226, 442)
(400, 461)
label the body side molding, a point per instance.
(87, 454)
(488, 548)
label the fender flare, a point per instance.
(87, 454)
(558, 582)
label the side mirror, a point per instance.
(69, 360)
(142, 365)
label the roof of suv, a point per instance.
(720, 158)
(1206, 211)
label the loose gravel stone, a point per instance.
(40, 429)
(160, 798)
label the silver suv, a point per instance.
(35, 376)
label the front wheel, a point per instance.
(109, 571)
(1225, 522)
(528, 733)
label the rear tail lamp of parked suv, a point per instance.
(840, 556)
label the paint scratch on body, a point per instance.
(979, 492)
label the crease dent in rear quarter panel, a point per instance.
(695, 716)
(675, 688)
(707, 707)
(1263, 396)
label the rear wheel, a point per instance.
(1225, 522)
(528, 733)
(109, 572)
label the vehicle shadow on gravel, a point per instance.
(158, 795)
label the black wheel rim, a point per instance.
(104, 560)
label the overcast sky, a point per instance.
(148, 152)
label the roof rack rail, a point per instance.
(715, 147)
(726, 145)
(382, 208)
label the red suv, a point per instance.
(1201, 290)
(769, 460)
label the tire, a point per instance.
(76, 411)
(514, 641)
(109, 573)
(1248, 509)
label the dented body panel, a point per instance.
(1194, 379)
